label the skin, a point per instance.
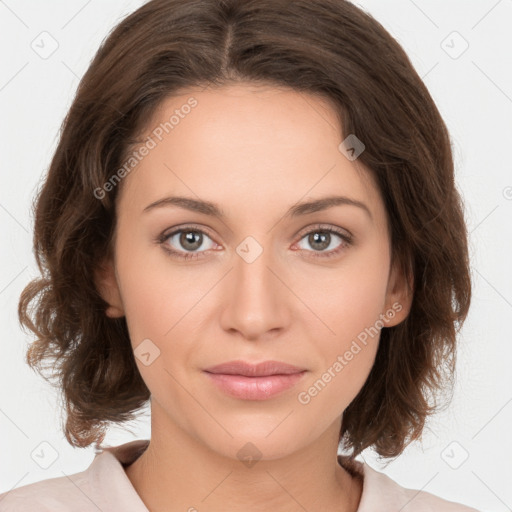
(255, 151)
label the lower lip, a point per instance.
(255, 388)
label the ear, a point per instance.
(108, 287)
(399, 294)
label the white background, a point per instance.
(473, 93)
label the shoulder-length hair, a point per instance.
(327, 47)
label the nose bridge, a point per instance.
(256, 302)
(252, 269)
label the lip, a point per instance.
(262, 369)
(254, 381)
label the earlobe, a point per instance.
(399, 295)
(114, 312)
(108, 288)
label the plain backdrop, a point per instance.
(462, 50)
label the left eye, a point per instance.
(322, 239)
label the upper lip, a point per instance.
(254, 370)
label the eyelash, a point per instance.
(164, 237)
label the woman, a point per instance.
(296, 150)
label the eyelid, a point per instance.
(327, 227)
(191, 227)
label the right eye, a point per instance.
(190, 239)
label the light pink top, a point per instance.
(104, 487)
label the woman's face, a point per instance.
(264, 281)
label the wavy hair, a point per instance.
(327, 47)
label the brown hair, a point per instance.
(326, 47)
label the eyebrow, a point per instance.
(211, 209)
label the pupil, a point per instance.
(315, 237)
(190, 237)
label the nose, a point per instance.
(256, 299)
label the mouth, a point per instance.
(254, 381)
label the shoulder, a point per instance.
(422, 501)
(408, 500)
(380, 492)
(104, 485)
(54, 494)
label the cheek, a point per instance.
(346, 350)
(163, 306)
(156, 293)
(348, 303)
(355, 303)
(347, 299)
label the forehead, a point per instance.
(246, 144)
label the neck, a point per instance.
(177, 472)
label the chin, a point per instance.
(253, 445)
